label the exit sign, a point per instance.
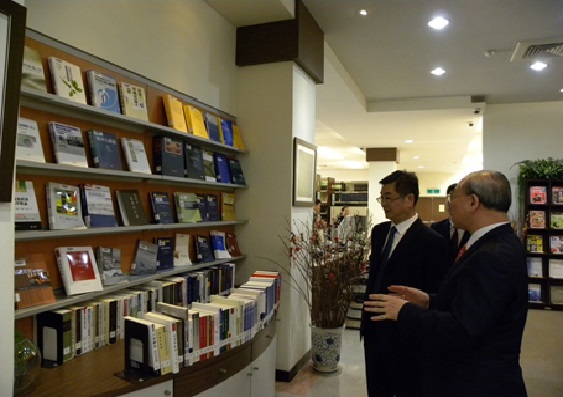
(432, 191)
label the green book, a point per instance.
(187, 207)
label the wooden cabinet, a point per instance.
(164, 389)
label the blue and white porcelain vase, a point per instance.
(325, 349)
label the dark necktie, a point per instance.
(384, 258)
(454, 242)
(460, 253)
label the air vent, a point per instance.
(537, 49)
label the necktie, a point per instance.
(460, 253)
(454, 242)
(385, 253)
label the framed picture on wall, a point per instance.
(304, 172)
(12, 36)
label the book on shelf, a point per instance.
(556, 245)
(109, 265)
(28, 141)
(212, 126)
(26, 210)
(131, 208)
(202, 206)
(232, 244)
(145, 259)
(135, 155)
(555, 268)
(161, 208)
(172, 327)
(193, 162)
(237, 176)
(556, 220)
(105, 150)
(219, 244)
(68, 144)
(195, 122)
(212, 207)
(556, 294)
(534, 293)
(64, 207)
(32, 282)
(221, 165)
(67, 80)
(209, 166)
(33, 74)
(54, 337)
(228, 206)
(165, 253)
(97, 206)
(187, 207)
(103, 91)
(168, 157)
(203, 249)
(538, 194)
(535, 267)
(537, 219)
(133, 101)
(141, 350)
(183, 252)
(185, 328)
(237, 138)
(174, 110)
(78, 269)
(534, 243)
(164, 353)
(226, 131)
(557, 195)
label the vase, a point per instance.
(27, 363)
(325, 349)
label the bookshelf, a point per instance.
(543, 214)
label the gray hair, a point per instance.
(492, 188)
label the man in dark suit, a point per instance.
(455, 236)
(403, 251)
(472, 328)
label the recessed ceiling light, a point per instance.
(415, 157)
(363, 11)
(438, 23)
(538, 66)
(438, 71)
(409, 141)
(420, 166)
(561, 90)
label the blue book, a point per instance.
(227, 132)
(221, 168)
(165, 254)
(212, 125)
(212, 206)
(237, 176)
(97, 206)
(103, 91)
(203, 250)
(202, 205)
(168, 157)
(161, 208)
(105, 150)
(193, 162)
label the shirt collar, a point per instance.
(404, 225)
(481, 232)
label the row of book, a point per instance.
(106, 93)
(92, 206)
(535, 267)
(171, 157)
(538, 220)
(160, 337)
(535, 244)
(538, 195)
(535, 294)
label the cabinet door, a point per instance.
(238, 385)
(164, 389)
(263, 370)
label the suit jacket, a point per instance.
(472, 338)
(443, 228)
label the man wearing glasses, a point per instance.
(406, 252)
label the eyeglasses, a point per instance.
(387, 200)
(451, 197)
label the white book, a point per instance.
(78, 269)
(68, 144)
(182, 255)
(26, 210)
(170, 325)
(28, 142)
(555, 268)
(67, 80)
(136, 155)
(133, 101)
(64, 207)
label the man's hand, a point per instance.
(410, 294)
(386, 306)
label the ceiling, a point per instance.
(378, 90)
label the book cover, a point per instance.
(33, 74)
(171, 327)
(133, 101)
(202, 205)
(219, 244)
(193, 162)
(67, 80)
(103, 91)
(168, 157)
(556, 294)
(195, 123)
(32, 282)
(187, 209)
(141, 352)
(537, 219)
(64, 207)
(183, 253)
(209, 166)
(26, 210)
(555, 268)
(165, 253)
(226, 131)
(109, 265)
(232, 244)
(105, 150)
(145, 259)
(97, 206)
(221, 165)
(79, 270)
(237, 176)
(538, 195)
(534, 243)
(135, 155)
(535, 268)
(161, 208)
(557, 195)
(228, 206)
(54, 337)
(174, 113)
(212, 206)
(212, 126)
(131, 208)
(556, 245)
(28, 141)
(203, 249)
(556, 220)
(68, 144)
(534, 293)
(237, 138)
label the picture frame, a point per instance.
(12, 38)
(304, 173)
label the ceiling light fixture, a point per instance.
(415, 157)
(409, 141)
(438, 71)
(538, 66)
(363, 12)
(421, 166)
(438, 23)
(561, 90)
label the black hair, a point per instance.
(405, 183)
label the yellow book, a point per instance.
(228, 206)
(237, 138)
(163, 353)
(174, 113)
(196, 125)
